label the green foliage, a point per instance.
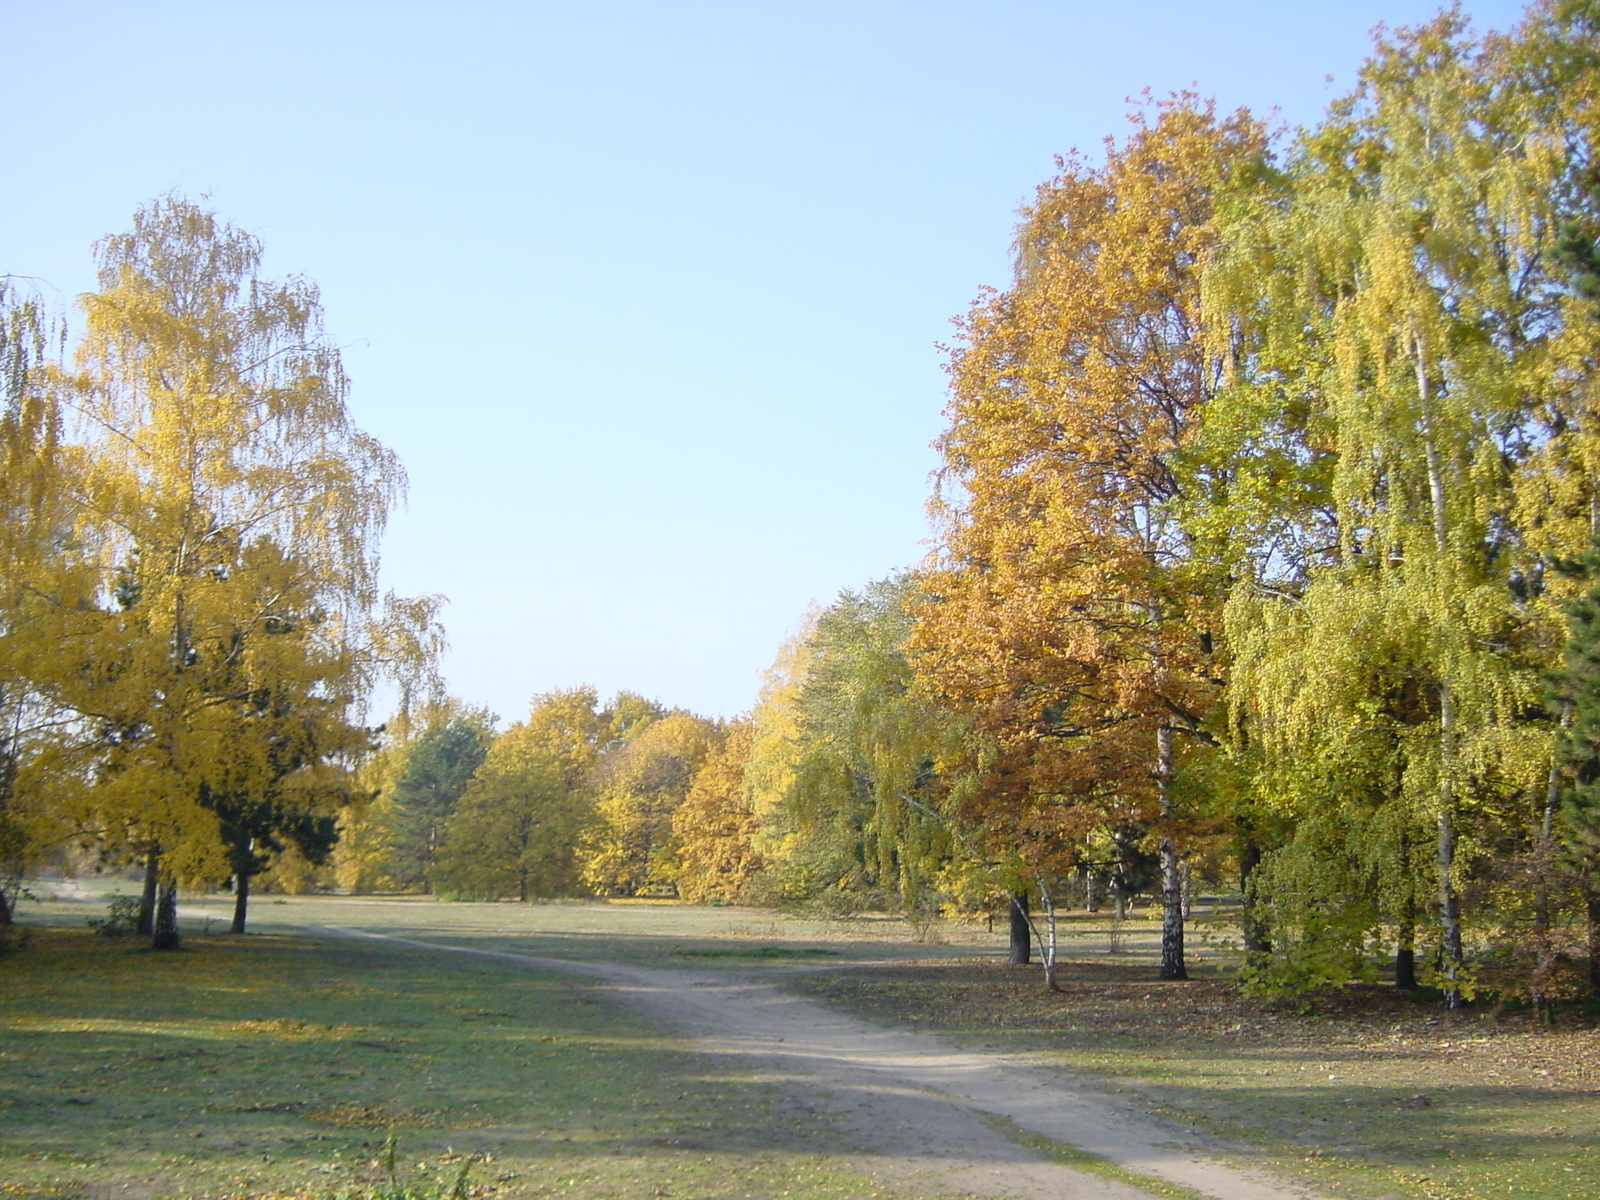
(1564, 57)
(1577, 687)
(438, 767)
(121, 919)
(1387, 470)
(863, 791)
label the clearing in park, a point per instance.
(314, 1059)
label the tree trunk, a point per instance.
(241, 901)
(1049, 947)
(1592, 905)
(1449, 899)
(1252, 925)
(165, 935)
(1544, 858)
(1021, 931)
(8, 778)
(1405, 951)
(1405, 941)
(147, 897)
(1091, 891)
(1172, 964)
(1450, 949)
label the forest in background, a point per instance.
(1265, 563)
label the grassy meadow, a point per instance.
(280, 1062)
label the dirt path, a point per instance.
(915, 1104)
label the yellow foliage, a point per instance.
(639, 786)
(716, 824)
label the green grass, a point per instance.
(1513, 1109)
(760, 952)
(274, 1065)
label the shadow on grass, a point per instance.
(1374, 1082)
(247, 1065)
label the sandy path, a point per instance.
(910, 1100)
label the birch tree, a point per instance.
(1390, 318)
(47, 589)
(212, 409)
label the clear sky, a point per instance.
(647, 296)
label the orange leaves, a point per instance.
(1054, 615)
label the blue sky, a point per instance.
(646, 295)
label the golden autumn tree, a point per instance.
(639, 784)
(526, 808)
(775, 754)
(715, 825)
(212, 409)
(1065, 615)
(515, 829)
(48, 584)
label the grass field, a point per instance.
(1372, 1097)
(286, 1060)
(278, 1064)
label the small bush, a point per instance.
(121, 919)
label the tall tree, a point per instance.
(213, 411)
(1560, 64)
(523, 813)
(47, 584)
(866, 785)
(1389, 315)
(438, 767)
(1066, 615)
